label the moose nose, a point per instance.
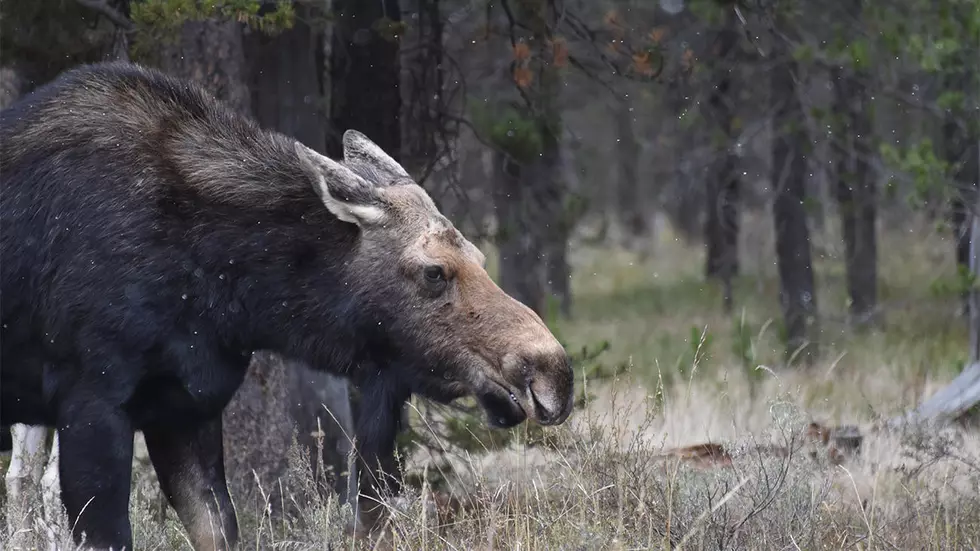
(550, 384)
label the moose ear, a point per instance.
(345, 194)
(362, 153)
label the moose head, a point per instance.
(430, 304)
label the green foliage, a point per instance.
(742, 347)
(812, 205)
(509, 130)
(930, 53)
(689, 118)
(803, 53)
(159, 20)
(964, 282)
(920, 162)
(698, 348)
(859, 53)
(173, 13)
(745, 350)
(389, 29)
(886, 43)
(707, 10)
(953, 100)
(574, 207)
(938, 37)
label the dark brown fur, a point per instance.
(152, 239)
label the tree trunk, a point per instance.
(788, 177)
(12, 85)
(286, 83)
(684, 204)
(960, 220)
(424, 138)
(629, 207)
(556, 228)
(556, 220)
(211, 53)
(856, 195)
(539, 252)
(961, 152)
(365, 74)
(683, 195)
(285, 80)
(324, 422)
(721, 207)
(521, 274)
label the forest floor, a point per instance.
(694, 375)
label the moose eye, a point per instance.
(434, 274)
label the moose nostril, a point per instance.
(541, 411)
(548, 379)
(547, 406)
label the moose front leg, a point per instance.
(189, 462)
(95, 481)
(27, 452)
(378, 423)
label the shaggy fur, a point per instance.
(152, 239)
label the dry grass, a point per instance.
(696, 375)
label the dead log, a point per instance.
(949, 404)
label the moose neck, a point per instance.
(291, 286)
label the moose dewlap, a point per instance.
(152, 239)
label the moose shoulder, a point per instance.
(152, 239)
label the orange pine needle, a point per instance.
(657, 34)
(521, 51)
(522, 76)
(560, 52)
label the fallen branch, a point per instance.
(835, 442)
(947, 405)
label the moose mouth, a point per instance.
(506, 405)
(502, 406)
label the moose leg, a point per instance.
(50, 485)
(378, 423)
(95, 483)
(50, 493)
(189, 462)
(26, 460)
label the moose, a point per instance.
(152, 240)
